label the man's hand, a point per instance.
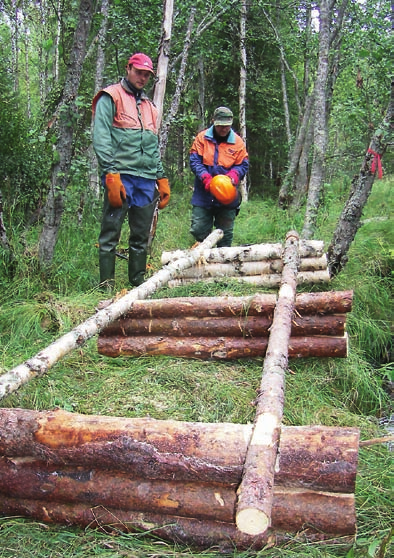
(116, 190)
(206, 179)
(164, 191)
(233, 175)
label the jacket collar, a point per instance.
(209, 135)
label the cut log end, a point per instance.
(252, 521)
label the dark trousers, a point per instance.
(203, 221)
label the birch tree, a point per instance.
(66, 116)
(163, 59)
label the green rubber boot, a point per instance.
(111, 226)
(140, 221)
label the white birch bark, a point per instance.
(45, 359)
(163, 59)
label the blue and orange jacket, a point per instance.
(208, 156)
(125, 135)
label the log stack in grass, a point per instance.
(176, 480)
(259, 264)
(228, 327)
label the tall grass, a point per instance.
(36, 308)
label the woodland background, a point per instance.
(310, 85)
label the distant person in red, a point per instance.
(217, 150)
(125, 140)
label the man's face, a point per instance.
(137, 78)
(222, 131)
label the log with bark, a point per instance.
(219, 348)
(187, 531)
(246, 326)
(267, 280)
(328, 302)
(255, 492)
(249, 253)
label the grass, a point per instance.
(37, 308)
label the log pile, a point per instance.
(177, 480)
(228, 327)
(259, 264)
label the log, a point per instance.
(45, 359)
(292, 507)
(246, 326)
(311, 457)
(266, 280)
(252, 252)
(219, 348)
(201, 271)
(328, 302)
(255, 493)
(192, 532)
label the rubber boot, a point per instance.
(140, 221)
(111, 226)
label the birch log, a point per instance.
(255, 493)
(269, 267)
(252, 252)
(269, 281)
(45, 359)
(311, 457)
(220, 348)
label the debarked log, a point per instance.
(251, 252)
(328, 302)
(245, 326)
(313, 457)
(202, 270)
(293, 508)
(219, 348)
(264, 280)
(195, 533)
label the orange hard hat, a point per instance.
(223, 189)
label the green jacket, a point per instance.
(125, 135)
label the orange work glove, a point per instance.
(116, 190)
(164, 191)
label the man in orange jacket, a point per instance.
(217, 150)
(125, 140)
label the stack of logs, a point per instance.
(228, 327)
(258, 264)
(177, 480)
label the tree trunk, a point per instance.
(246, 326)
(330, 302)
(163, 59)
(350, 219)
(320, 132)
(242, 89)
(68, 117)
(270, 281)
(311, 457)
(254, 252)
(39, 364)
(255, 493)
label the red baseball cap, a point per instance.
(141, 62)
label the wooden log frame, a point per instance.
(255, 492)
(178, 477)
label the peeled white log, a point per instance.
(45, 359)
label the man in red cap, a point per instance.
(125, 140)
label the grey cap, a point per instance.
(222, 117)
